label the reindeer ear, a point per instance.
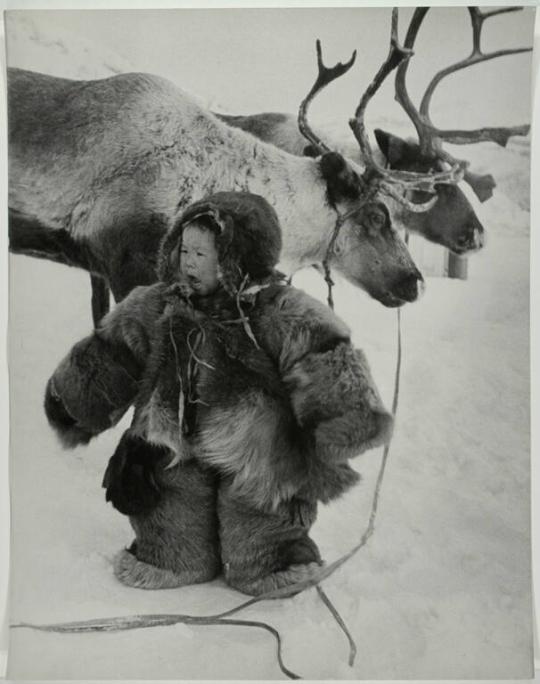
(482, 185)
(342, 181)
(394, 148)
(310, 151)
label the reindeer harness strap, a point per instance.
(340, 220)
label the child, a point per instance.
(249, 387)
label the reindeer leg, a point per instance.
(100, 297)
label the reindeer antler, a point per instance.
(498, 135)
(404, 180)
(430, 137)
(325, 76)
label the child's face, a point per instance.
(199, 259)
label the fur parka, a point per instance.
(254, 392)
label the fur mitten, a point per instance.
(130, 479)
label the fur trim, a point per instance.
(136, 573)
(276, 580)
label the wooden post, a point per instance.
(457, 266)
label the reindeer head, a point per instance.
(452, 221)
(365, 247)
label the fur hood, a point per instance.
(248, 238)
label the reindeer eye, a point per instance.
(375, 220)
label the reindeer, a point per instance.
(451, 222)
(98, 169)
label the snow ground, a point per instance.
(443, 588)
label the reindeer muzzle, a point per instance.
(409, 287)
